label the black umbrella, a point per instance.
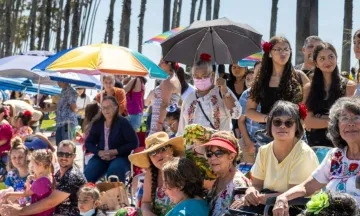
(226, 41)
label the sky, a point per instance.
(256, 13)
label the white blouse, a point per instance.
(214, 107)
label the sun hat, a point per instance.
(216, 141)
(154, 142)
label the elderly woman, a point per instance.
(111, 90)
(183, 183)
(210, 105)
(283, 163)
(339, 169)
(222, 152)
(111, 139)
(159, 149)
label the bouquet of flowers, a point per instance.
(195, 135)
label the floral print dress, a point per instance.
(220, 202)
(162, 202)
(23, 132)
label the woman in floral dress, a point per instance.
(210, 105)
(222, 152)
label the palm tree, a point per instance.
(216, 9)
(178, 14)
(41, 24)
(110, 24)
(174, 17)
(314, 17)
(192, 13)
(200, 9)
(58, 26)
(67, 24)
(141, 24)
(125, 23)
(15, 21)
(92, 23)
(302, 27)
(47, 25)
(347, 32)
(166, 15)
(86, 21)
(75, 24)
(208, 9)
(7, 38)
(274, 10)
(33, 24)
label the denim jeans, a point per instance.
(97, 168)
(64, 133)
(135, 120)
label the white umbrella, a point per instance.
(39, 53)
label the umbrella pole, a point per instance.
(38, 93)
(101, 87)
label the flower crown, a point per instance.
(317, 203)
(267, 47)
(302, 111)
(205, 57)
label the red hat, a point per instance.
(216, 141)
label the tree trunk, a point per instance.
(110, 24)
(67, 24)
(47, 25)
(58, 26)
(75, 25)
(15, 21)
(273, 22)
(41, 24)
(91, 34)
(314, 17)
(174, 17)
(302, 27)
(166, 15)
(7, 40)
(83, 30)
(125, 23)
(192, 12)
(216, 9)
(200, 9)
(178, 14)
(347, 33)
(208, 9)
(141, 24)
(33, 24)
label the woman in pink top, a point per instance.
(135, 91)
(5, 132)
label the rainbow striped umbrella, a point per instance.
(162, 37)
(96, 59)
(250, 60)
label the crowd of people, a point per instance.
(272, 116)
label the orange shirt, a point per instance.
(120, 96)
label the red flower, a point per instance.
(353, 167)
(90, 184)
(205, 57)
(302, 111)
(177, 66)
(338, 154)
(267, 47)
(27, 113)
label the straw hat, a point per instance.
(154, 142)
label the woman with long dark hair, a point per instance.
(186, 88)
(81, 102)
(277, 80)
(111, 139)
(236, 82)
(135, 91)
(326, 87)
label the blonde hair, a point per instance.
(44, 157)
(17, 144)
(229, 136)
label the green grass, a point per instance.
(48, 125)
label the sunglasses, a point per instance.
(287, 123)
(158, 151)
(217, 153)
(65, 154)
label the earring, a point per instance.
(270, 56)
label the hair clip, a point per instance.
(302, 111)
(172, 108)
(90, 184)
(267, 47)
(27, 113)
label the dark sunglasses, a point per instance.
(287, 123)
(217, 153)
(158, 151)
(65, 154)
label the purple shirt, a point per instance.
(106, 133)
(41, 188)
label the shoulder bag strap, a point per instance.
(202, 110)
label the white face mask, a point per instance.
(88, 213)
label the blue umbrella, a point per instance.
(26, 85)
(77, 79)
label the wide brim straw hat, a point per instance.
(154, 142)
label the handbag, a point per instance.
(113, 195)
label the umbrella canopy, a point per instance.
(102, 58)
(39, 53)
(226, 41)
(19, 66)
(162, 37)
(77, 79)
(251, 60)
(25, 84)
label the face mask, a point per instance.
(88, 213)
(203, 84)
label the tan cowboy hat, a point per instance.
(154, 142)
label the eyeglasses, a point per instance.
(279, 50)
(109, 108)
(158, 151)
(65, 154)
(217, 153)
(347, 119)
(287, 123)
